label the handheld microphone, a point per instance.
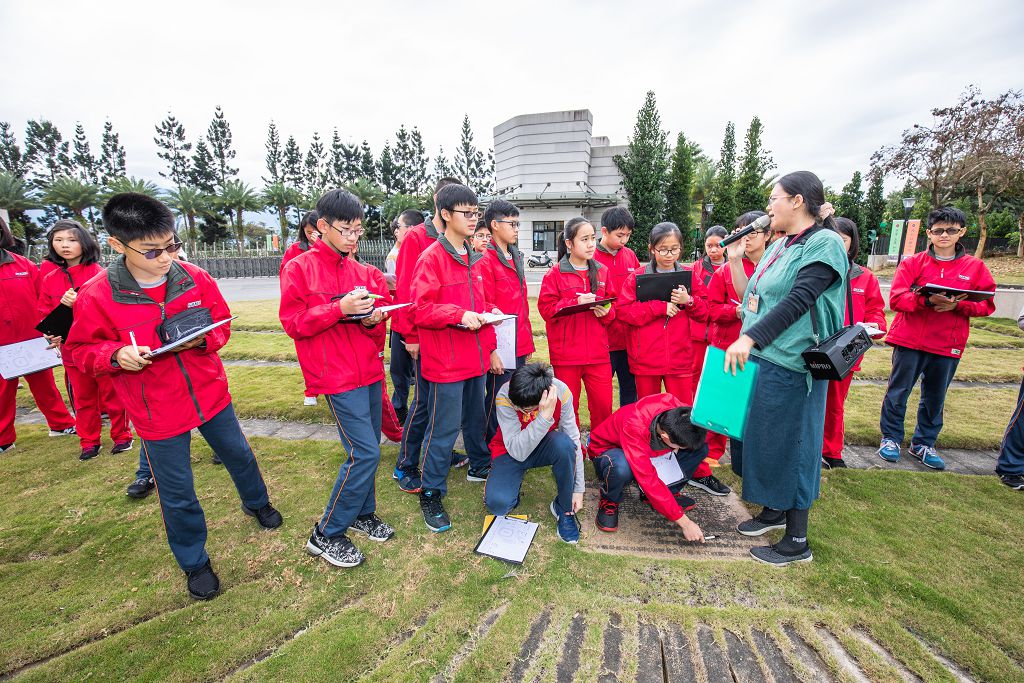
(760, 224)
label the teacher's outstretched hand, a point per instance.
(737, 354)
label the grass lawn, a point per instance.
(977, 365)
(91, 590)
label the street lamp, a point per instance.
(908, 206)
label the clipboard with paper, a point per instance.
(722, 401)
(508, 539)
(167, 348)
(506, 334)
(26, 357)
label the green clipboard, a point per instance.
(722, 401)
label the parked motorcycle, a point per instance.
(542, 261)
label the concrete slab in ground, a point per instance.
(957, 460)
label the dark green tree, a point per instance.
(111, 163)
(678, 191)
(754, 166)
(388, 171)
(47, 155)
(174, 149)
(418, 177)
(723, 191)
(202, 175)
(851, 199)
(644, 169)
(401, 157)
(17, 197)
(75, 195)
(367, 164)
(274, 156)
(475, 169)
(352, 169)
(442, 169)
(873, 212)
(84, 161)
(218, 134)
(336, 161)
(291, 164)
(11, 159)
(315, 166)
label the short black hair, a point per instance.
(130, 216)
(617, 217)
(844, 226)
(90, 249)
(339, 205)
(947, 214)
(450, 196)
(482, 225)
(444, 182)
(528, 383)
(747, 218)
(411, 217)
(309, 218)
(6, 236)
(681, 431)
(498, 209)
(715, 231)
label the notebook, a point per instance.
(722, 401)
(659, 286)
(583, 308)
(26, 357)
(972, 294)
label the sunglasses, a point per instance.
(151, 254)
(938, 232)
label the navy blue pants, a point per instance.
(614, 473)
(401, 369)
(451, 405)
(415, 424)
(493, 383)
(620, 369)
(170, 462)
(1011, 454)
(555, 450)
(357, 414)
(936, 372)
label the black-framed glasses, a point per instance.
(514, 224)
(484, 236)
(151, 254)
(938, 232)
(348, 232)
(674, 251)
(470, 215)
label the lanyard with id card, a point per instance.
(753, 300)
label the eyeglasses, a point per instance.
(346, 232)
(151, 254)
(483, 236)
(772, 200)
(674, 251)
(514, 224)
(938, 232)
(468, 214)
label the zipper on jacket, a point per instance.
(145, 402)
(188, 380)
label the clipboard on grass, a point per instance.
(508, 539)
(722, 401)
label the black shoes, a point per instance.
(140, 488)
(267, 516)
(434, 514)
(1014, 481)
(771, 554)
(607, 515)
(711, 485)
(89, 452)
(203, 584)
(373, 527)
(478, 473)
(832, 463)
(338, 551)
(122, 446)
(216, 459)
(766, 521)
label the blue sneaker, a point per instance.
(927, 456)
(568, 527)
(410, 482)
(398, 474)
(433, 511)
(889, 450)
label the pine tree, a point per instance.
(174, 149)
(644, 168)
(11, 159)
(218, 134)
(873, 212)
(850, 201)
(112, 157)
(336, 163)
(401, 158)
(679, 190)
(388, 171)
(315, 165)
(723, 192)
(202, 175)
(754, 165)
(418, 176)
(442, 169)
(291, 165)
(274, 157)
(46, 154)
(351, 167)
(84, 161)
(470, 164)
(367, 165)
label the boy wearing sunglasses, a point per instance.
(118, 318)
(929, 333)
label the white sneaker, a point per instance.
(309, 401)
(70, 431)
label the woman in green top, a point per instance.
(805, 266)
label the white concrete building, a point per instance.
(553, 168)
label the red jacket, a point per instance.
(868, 304)
(444, 287)
(629, 428)
(725, 326)
(334, 356)
(19, 292)
(505, 287)
(918, 325)
(179, 391)
(656, 344)
(53, 286)
(580, 338)
(700, 328)
(415, 243)
(619, 265)
(47, 267)
(291, 252)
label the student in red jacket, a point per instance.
(19, 291)
(616, 228)
(505, 287)
(703, 269)
(401, 367)
(448, 291)
(308, 236)
(76, 253)
(867, 306)
(929, 334)
(118, 322)
(579, 341)
(622, 448)
(337, 332)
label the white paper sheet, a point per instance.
(24, 358)
(668, 468)
(506, 332)
(508, 539)
(496, 318)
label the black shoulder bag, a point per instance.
(834, 358)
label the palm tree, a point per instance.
(238, 197)
(15, 194)
(703, 182)
(130, 184)
(280, 197)
(367, 191)
(72, 194)
(188, 202)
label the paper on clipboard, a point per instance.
(382, 309)
(507, 539)
(506, 333)
(668, 469)
(489, 319)
(24, 358)
(187, 338)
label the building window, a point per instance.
(546, 235)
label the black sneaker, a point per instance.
(1014, 481)
(216, 459)
(338, 551)
(685, 502)
(607, 515)
(478, 473)
(203, 584)
(762, 524)
(6, 447)
(711, 485)
(373, 527)
(89, 452)
(140, 488)
(267, 516)
(433, 511)
(832, 463)
(410, 481)
(770, 554)
(123, 446)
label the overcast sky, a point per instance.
(832, 81)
